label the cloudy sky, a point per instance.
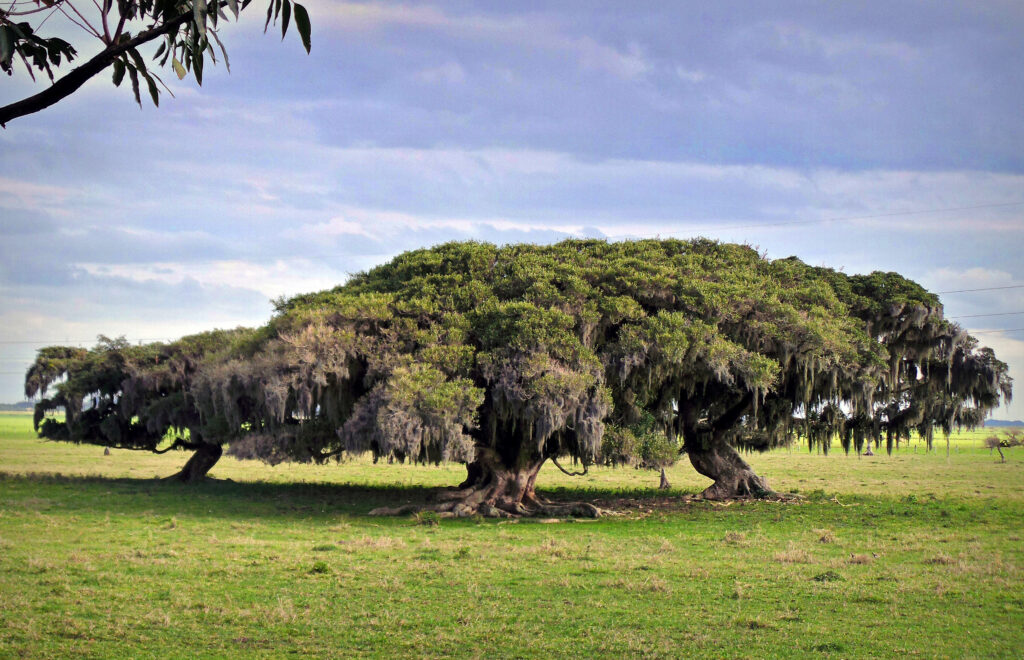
(861, 136)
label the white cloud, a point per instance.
(527, 32)
(281, 277)
(1010, 349)
(31, 196)
(382, 225)
(449, 73)
(970, 278)
(690, 75)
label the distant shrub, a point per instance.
(643, 445)
(619, 446)
(1009, 439)
(828, 576)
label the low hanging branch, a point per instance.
(70, 83)
(571, 474)
(185, 48)
(178, 444)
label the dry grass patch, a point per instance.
(825, 535)
(942, 559)
(650, 584)
(735, 538)
(794, 555)
(373, 542)
(755, 624)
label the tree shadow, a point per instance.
(239, 500)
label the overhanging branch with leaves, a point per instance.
(189, 29)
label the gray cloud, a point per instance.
(410, 125)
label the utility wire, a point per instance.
(991, 288)
(1012, 330)
(860, 217)
(976, 316)
(711, 228)
(61, 342)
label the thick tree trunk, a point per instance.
(474, 474)
(201, 462)
(732, 475)
(496, 490)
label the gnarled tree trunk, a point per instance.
(732, 475)
(199, 465)
(712, 456)
(495, 489)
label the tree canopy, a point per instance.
(133, 397)
(187, 30)
(505, 357)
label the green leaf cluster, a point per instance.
(619, 352)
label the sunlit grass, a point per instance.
(969, 469)
(911, 554)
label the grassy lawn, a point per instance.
(911, 554)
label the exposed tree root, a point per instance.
(493, 490)
(467, 502)
(739, 486)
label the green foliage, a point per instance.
(187, 30)
(20, 39)
(121, 395)
(619, 446)
(529, 351)
(643, 444)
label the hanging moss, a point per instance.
(526, 352)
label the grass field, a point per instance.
(911, 554)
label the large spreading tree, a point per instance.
(504, 358)
(187, 32)
(135, 397)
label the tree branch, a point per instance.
(732, 415)
(79, 76)
(178, 444)
(571, 474)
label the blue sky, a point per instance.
(861, 136)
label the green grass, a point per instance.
(910, 554)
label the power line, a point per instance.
(60, 342)
(991, 288)
(988, 332)
(866, 217)
(702, 228)
(975, 316)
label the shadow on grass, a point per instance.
(257, 499)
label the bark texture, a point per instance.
(732, 475)
(199, 465)
(495, 489)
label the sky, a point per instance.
(859, 136)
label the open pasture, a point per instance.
(911, 554)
